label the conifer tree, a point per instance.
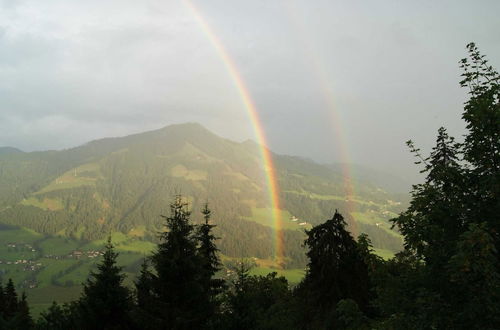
(22, 320)
(435, 218)
(106, 303)
(180, 298)
(143, 286)
(11, 302)
(210, 262)
(2, 302)
(336, 271)
(145, 299)
(53, 319)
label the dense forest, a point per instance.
(447, 276)
(122, 184)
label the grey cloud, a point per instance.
(73, 71)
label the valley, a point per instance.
(57, 207)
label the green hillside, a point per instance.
(56, 207)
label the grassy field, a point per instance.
(293, 276)
(134, 245)
(51, 269)
(264, 216)
(45, 204)
(58, 246)
(21, 235)
(332, 197)
(40, 299)
(180, 171)
(59, 276)
(76, 177)
(384, 254)
(375, 219)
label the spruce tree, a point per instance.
(2, 303)
(106, 303)
(435, 218)
(336, 271)
(22, 319)
(145, 299)
(180, 297)
(11, 302)
(210, 262)
(143, 286)
(53, 318)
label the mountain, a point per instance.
(123, 185)
(9, 150)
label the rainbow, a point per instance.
(249, 105)
(325, 86)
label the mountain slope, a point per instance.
(124, 184)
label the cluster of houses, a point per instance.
(295, 219)
(77, 254)
(28, 265)
(89, 254)
(22, 246)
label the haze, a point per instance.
(71, 72)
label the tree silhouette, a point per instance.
(336, 271)
(106, 302)
(180, 297)
(210, 262)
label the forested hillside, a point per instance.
(124, 184)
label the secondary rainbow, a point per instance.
(249, 105)
(326, 89)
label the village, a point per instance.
(30, 259)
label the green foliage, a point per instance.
(449, 274)
(349, 316)
(257, 302)
(336, 270)
(474, 274)
(55, 318)
(122, 184)
(210, 262)
(178, 285)
(105, 303)
(447, 277)
(14, 311)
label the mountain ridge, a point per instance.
(124, 183)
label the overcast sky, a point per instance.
(373, 73)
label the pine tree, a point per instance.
(106, 303)
(435, 218)
(2, 302)
(11, 302)
(336, 271)
(210, 262)
(53, 319)
(143, 286)
(22, 319)
(145, 299)
(180, 298)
